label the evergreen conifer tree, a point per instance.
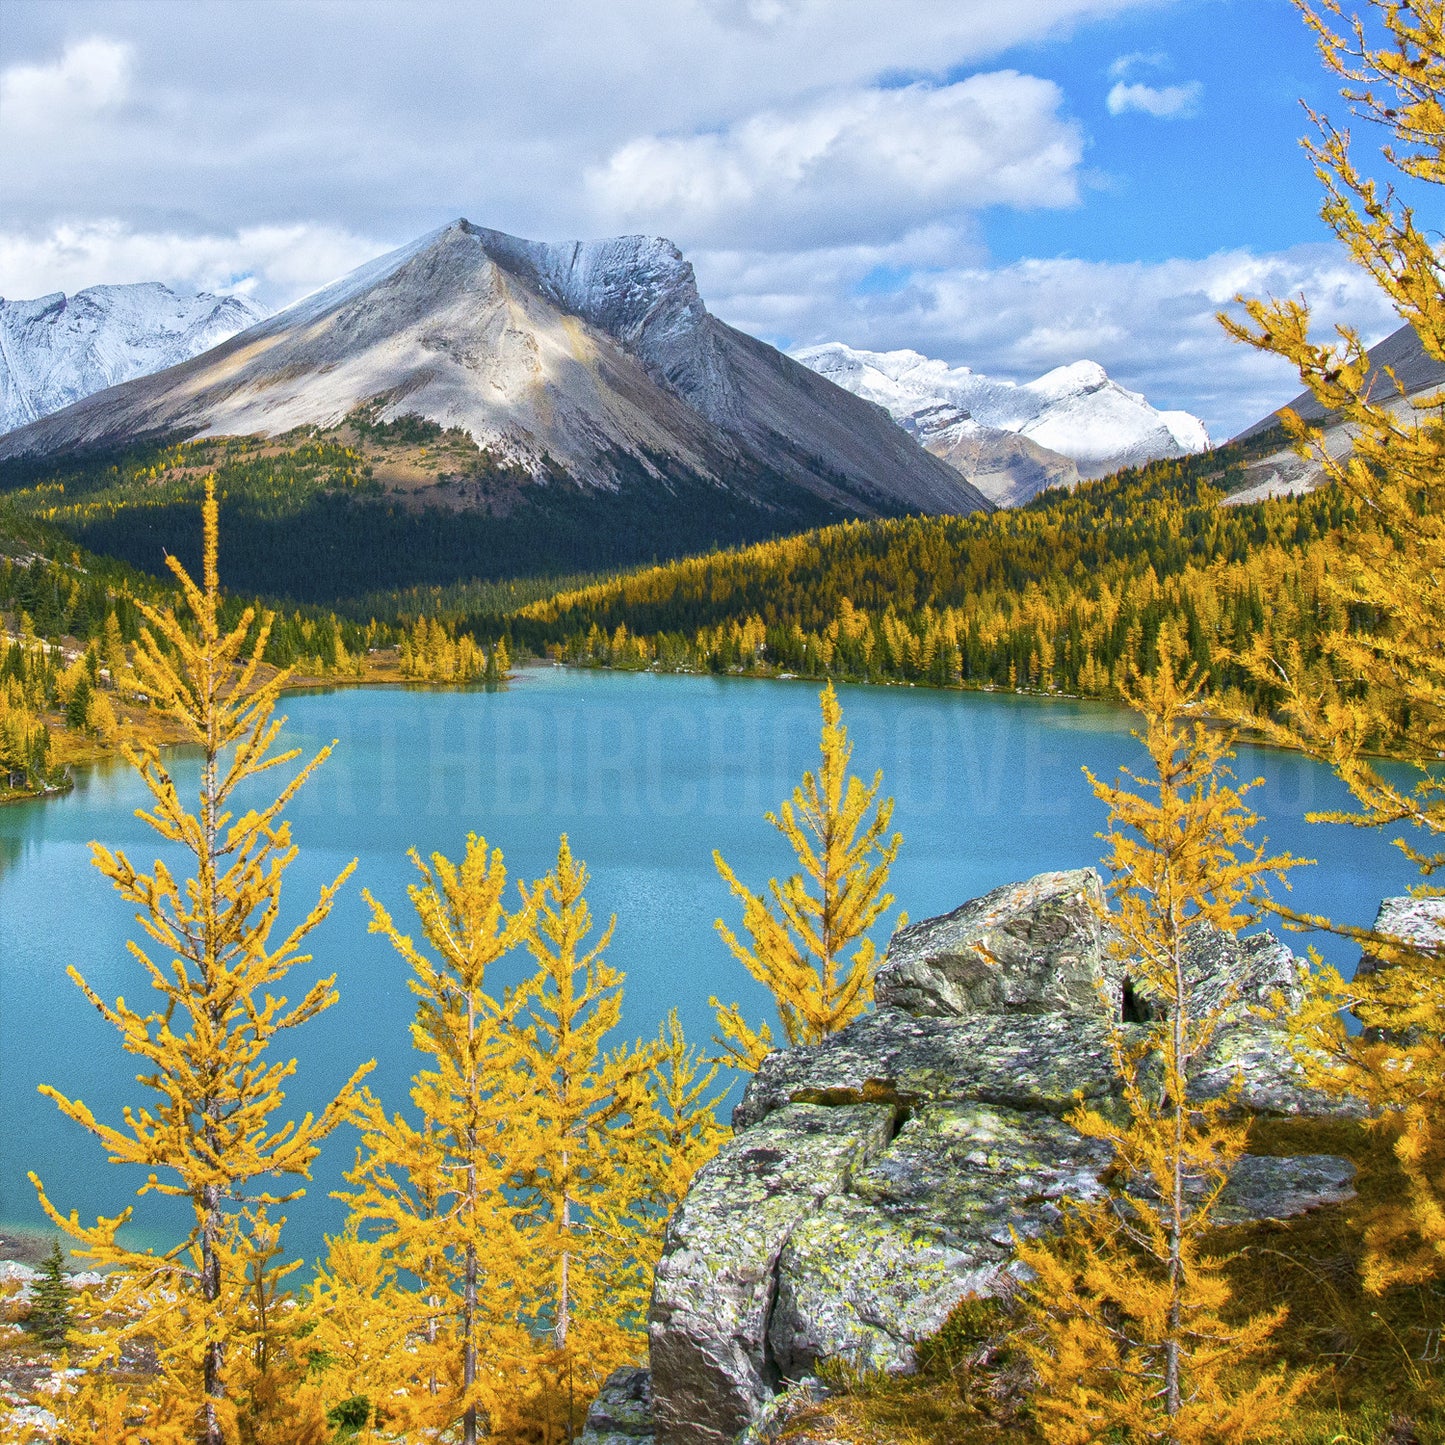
(1128, 1326)
(1382, 685)
(210, 1134)
(800, 930)
(50, 1306)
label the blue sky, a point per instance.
(1229, 173)
(945, 175)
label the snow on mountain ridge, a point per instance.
(596, 357)
(55, 349)
(1075, 411)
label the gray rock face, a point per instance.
(622, 1412)
(1037, 1063)
(715, 1284)
(878, 1178)
(57, 349)
(1419, 922)
(1035, 948)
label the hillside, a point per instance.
(1404, 377)
(1062, 596)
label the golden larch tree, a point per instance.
(801, 929)
(1382, 686)
(211, 1132)
(432, 1194)
(585, 1108)
(1126, 1312)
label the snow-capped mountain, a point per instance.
(1072, 422)
(596, 357)
(57, 349)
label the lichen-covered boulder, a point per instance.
(1033, 1062)
(1266, 1187)
(622, 1412)
(928, 1222)
(1035, 947)
(1418, 921)
(877, 1178)
(715, 1283)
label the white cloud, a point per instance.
(1138, 60)
(90, 77)
(390, 119)
(1165, 102)
(1150, 324)
(864, 163)
(276, 264)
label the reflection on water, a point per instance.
(647, 775)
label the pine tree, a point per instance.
(799, 937)
(1382, 685)
(1128, 1329)
(113, 650)
(432, 1194)
(51, 1313)
(681, 1131)
(210, 1134)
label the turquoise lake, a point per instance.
(647, 774)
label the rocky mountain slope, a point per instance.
(1013, 440)
(874, 1179)
(55, 350)
(1283, 472)
(596, 360)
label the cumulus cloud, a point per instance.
(1150, 324)
(275, 264)
(858, 163)
(504, 107)
(89, 78)
(1165, 102)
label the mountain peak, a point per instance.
(596, 358)
(55, 350)
(1074, 412)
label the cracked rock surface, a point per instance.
(876, 1179)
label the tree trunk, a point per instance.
(469, 1357)
(215, 1380)
(1179, 1088)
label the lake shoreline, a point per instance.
(101, 752)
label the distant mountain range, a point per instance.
(57, 349)
(1012, 440)
(597, 361)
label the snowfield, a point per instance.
(56, 349)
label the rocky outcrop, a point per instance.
(622, 1412)
(879, 1177)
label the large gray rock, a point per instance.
(1035, 947)
(715, 1283)
(1042, 1062)
(929, 1222)
(879, 1177)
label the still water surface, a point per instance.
(647, 774)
